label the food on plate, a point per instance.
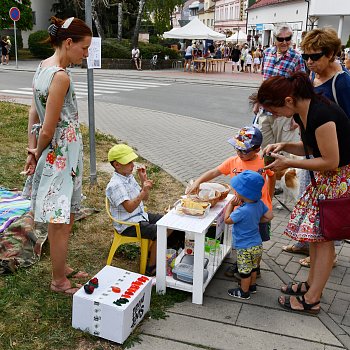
(190, 207)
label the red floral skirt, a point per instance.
(304, 222)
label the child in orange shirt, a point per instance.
(247, 145)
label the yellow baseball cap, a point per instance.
(123, 154)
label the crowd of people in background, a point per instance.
(245, 58)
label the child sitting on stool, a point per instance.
(247, 215)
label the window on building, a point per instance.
(34, 17)
(217, 14)
(212, 22)
(208, 22)
(226, 12)
(236, 12)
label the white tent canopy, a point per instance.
(239, 36)
(194, 30)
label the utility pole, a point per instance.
(91, 107)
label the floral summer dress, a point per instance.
(56, 183)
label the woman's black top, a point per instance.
(322, 112)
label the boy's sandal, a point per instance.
(290, 291)
(66, 291)
(77, 274)
(308, 308)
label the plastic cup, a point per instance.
(170, 261)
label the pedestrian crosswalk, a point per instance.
(101, 87)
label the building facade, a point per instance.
(230, 16)
(41, 18)
(207, 13)
(301, 15)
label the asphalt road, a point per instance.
(223, 104)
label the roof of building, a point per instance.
(262, 3)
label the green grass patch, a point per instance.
(32, 317)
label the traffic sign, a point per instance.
(15, 14)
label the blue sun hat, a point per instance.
(248, 184)
(247, 138)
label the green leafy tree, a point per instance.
(162, 11)
(105, 14)
(25, 22)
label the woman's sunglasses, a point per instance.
(280, 39)
(313, 56)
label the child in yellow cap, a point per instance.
(126, 198)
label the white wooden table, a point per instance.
(198, 227)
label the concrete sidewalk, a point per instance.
(186, 147)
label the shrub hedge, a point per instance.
(111, 48)
(37, 47)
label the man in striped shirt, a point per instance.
(280, 59)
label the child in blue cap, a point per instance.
(247, 144)
(249, 212)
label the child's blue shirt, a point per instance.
(246, 220)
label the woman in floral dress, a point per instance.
(55, 149)
(326, 136)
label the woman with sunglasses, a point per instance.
(325, 130)
(329, 78)
(320, 48)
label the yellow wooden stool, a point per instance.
(119, 240)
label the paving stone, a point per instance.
(154, 343)
(274, 252)
(225, 335)
(220, 310)
(343, 296)
(339, 306)
(335, 317)
(274, 321)
(292, 267)
(283, 259)
(346, 319)
(302, 275)
(328, 296)
(345, 251)
(346, 279)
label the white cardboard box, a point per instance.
(97, 314)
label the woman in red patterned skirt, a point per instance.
(326, 134)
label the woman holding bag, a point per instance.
(330, 79)
(326, 130)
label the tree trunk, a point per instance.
(138, 22)
(120, 21)
(98, 26)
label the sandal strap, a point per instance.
(300, 285)
(305, 304)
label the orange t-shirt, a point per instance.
(235, 165)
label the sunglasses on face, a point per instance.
(280, 39)
(313, 56)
